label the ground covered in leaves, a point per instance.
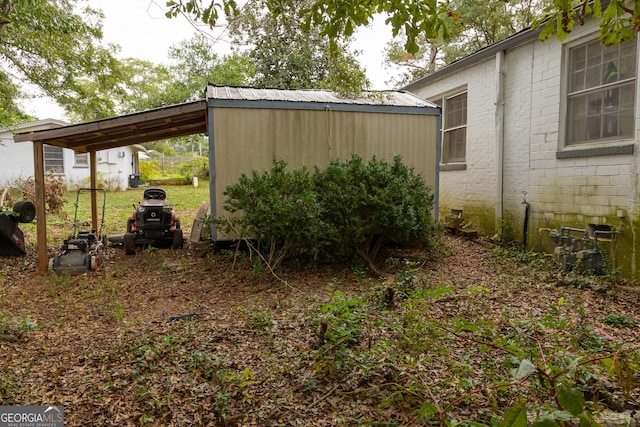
(197, 337)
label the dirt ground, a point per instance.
(195, 337)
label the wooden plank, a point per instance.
(198, 223)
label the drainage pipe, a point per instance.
(499, 129)
(525, 226)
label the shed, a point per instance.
(247, 128)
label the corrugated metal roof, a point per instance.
(387, 98)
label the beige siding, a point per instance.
(248, 139)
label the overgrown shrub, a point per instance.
(371, 204)
(54, 188)
(198, 166)
(278, 208)
(148, 168)
(350, 207)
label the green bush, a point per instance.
(278, 208)
(369, 205)
(148, 168)
(350, 207)
(198, 166)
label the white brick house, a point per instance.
(16, 159)
(555, 123)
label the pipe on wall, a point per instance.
(499, 129)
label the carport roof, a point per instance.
(191, 117)
(152, 125)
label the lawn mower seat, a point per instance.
(154, 194)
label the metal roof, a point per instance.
(375, 98)
(151, 125)
(191, 117)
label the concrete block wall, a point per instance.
(572, 192)
(472, 189)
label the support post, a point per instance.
(94, 197)
(41, 209)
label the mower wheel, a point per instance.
(129, 225)
(93, 265)
(51, 263)
(26, 211)
(129, 243)
(178, 239)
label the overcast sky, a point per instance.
(142, 31)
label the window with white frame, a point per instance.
(454, 127)
(81, 160)
(53, 159)
(600, 92)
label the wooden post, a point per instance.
(41, 209)
(94, 197)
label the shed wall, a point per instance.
(249, 139)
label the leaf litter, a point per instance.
(245, 348)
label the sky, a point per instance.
(142, 31)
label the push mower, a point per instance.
(82, 251)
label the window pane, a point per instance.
(602, 108)
(627, 67)
(81, 159)
(53, 159)
(454, 135)
(454, 145)
(626, 123)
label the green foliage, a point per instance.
(287, 57)
(9, 389)
(278, 208)
(435, 20)
(507, 228)
(148, 169)
(198, 166)
(55, 46)
(194, 65)
(484, 23)
(618, 320)
(344, 318)
(367, 205)
(11, 326)
(350, 207)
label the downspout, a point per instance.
(438, 154)
(212, 171)
(499, 130)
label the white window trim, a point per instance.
(442, 100)
(596, 148)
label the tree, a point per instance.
(195, 65)
(55, 47)
(432, 19)
(287, 57)
(484, 22)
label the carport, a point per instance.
(152, 125)
(255, 126)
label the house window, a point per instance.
(454, 128)
(53, 159)
(601, 92)
(81, 160)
